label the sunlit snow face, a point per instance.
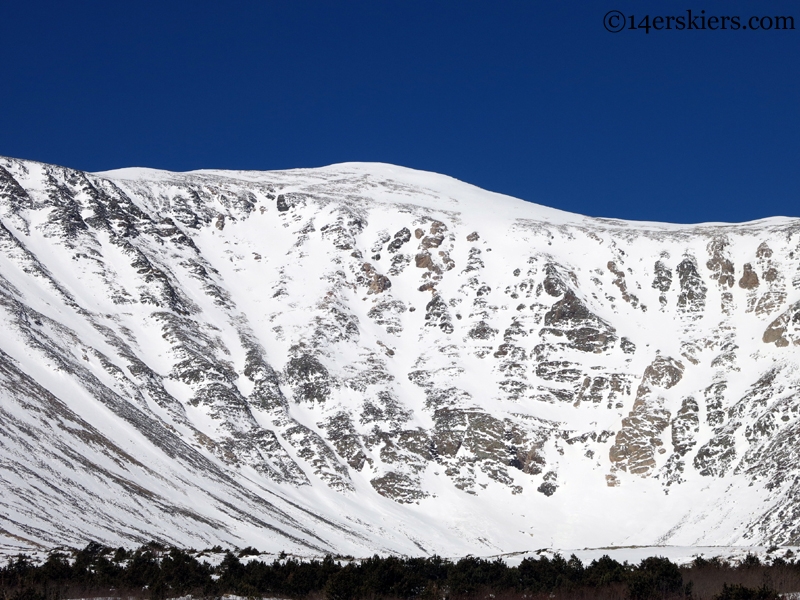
(367, 358)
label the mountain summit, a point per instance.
(365, 358)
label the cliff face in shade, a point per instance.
(365, 358)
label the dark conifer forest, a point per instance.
(156, 572)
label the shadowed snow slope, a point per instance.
(365, 358)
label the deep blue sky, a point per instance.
(533, 99)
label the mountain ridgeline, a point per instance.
(365, 358)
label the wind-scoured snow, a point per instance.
(366, 358)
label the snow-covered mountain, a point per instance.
(365, 358)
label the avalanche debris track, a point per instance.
(365, 358)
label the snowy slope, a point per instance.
(366, 358)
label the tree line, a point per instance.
(157, 572)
